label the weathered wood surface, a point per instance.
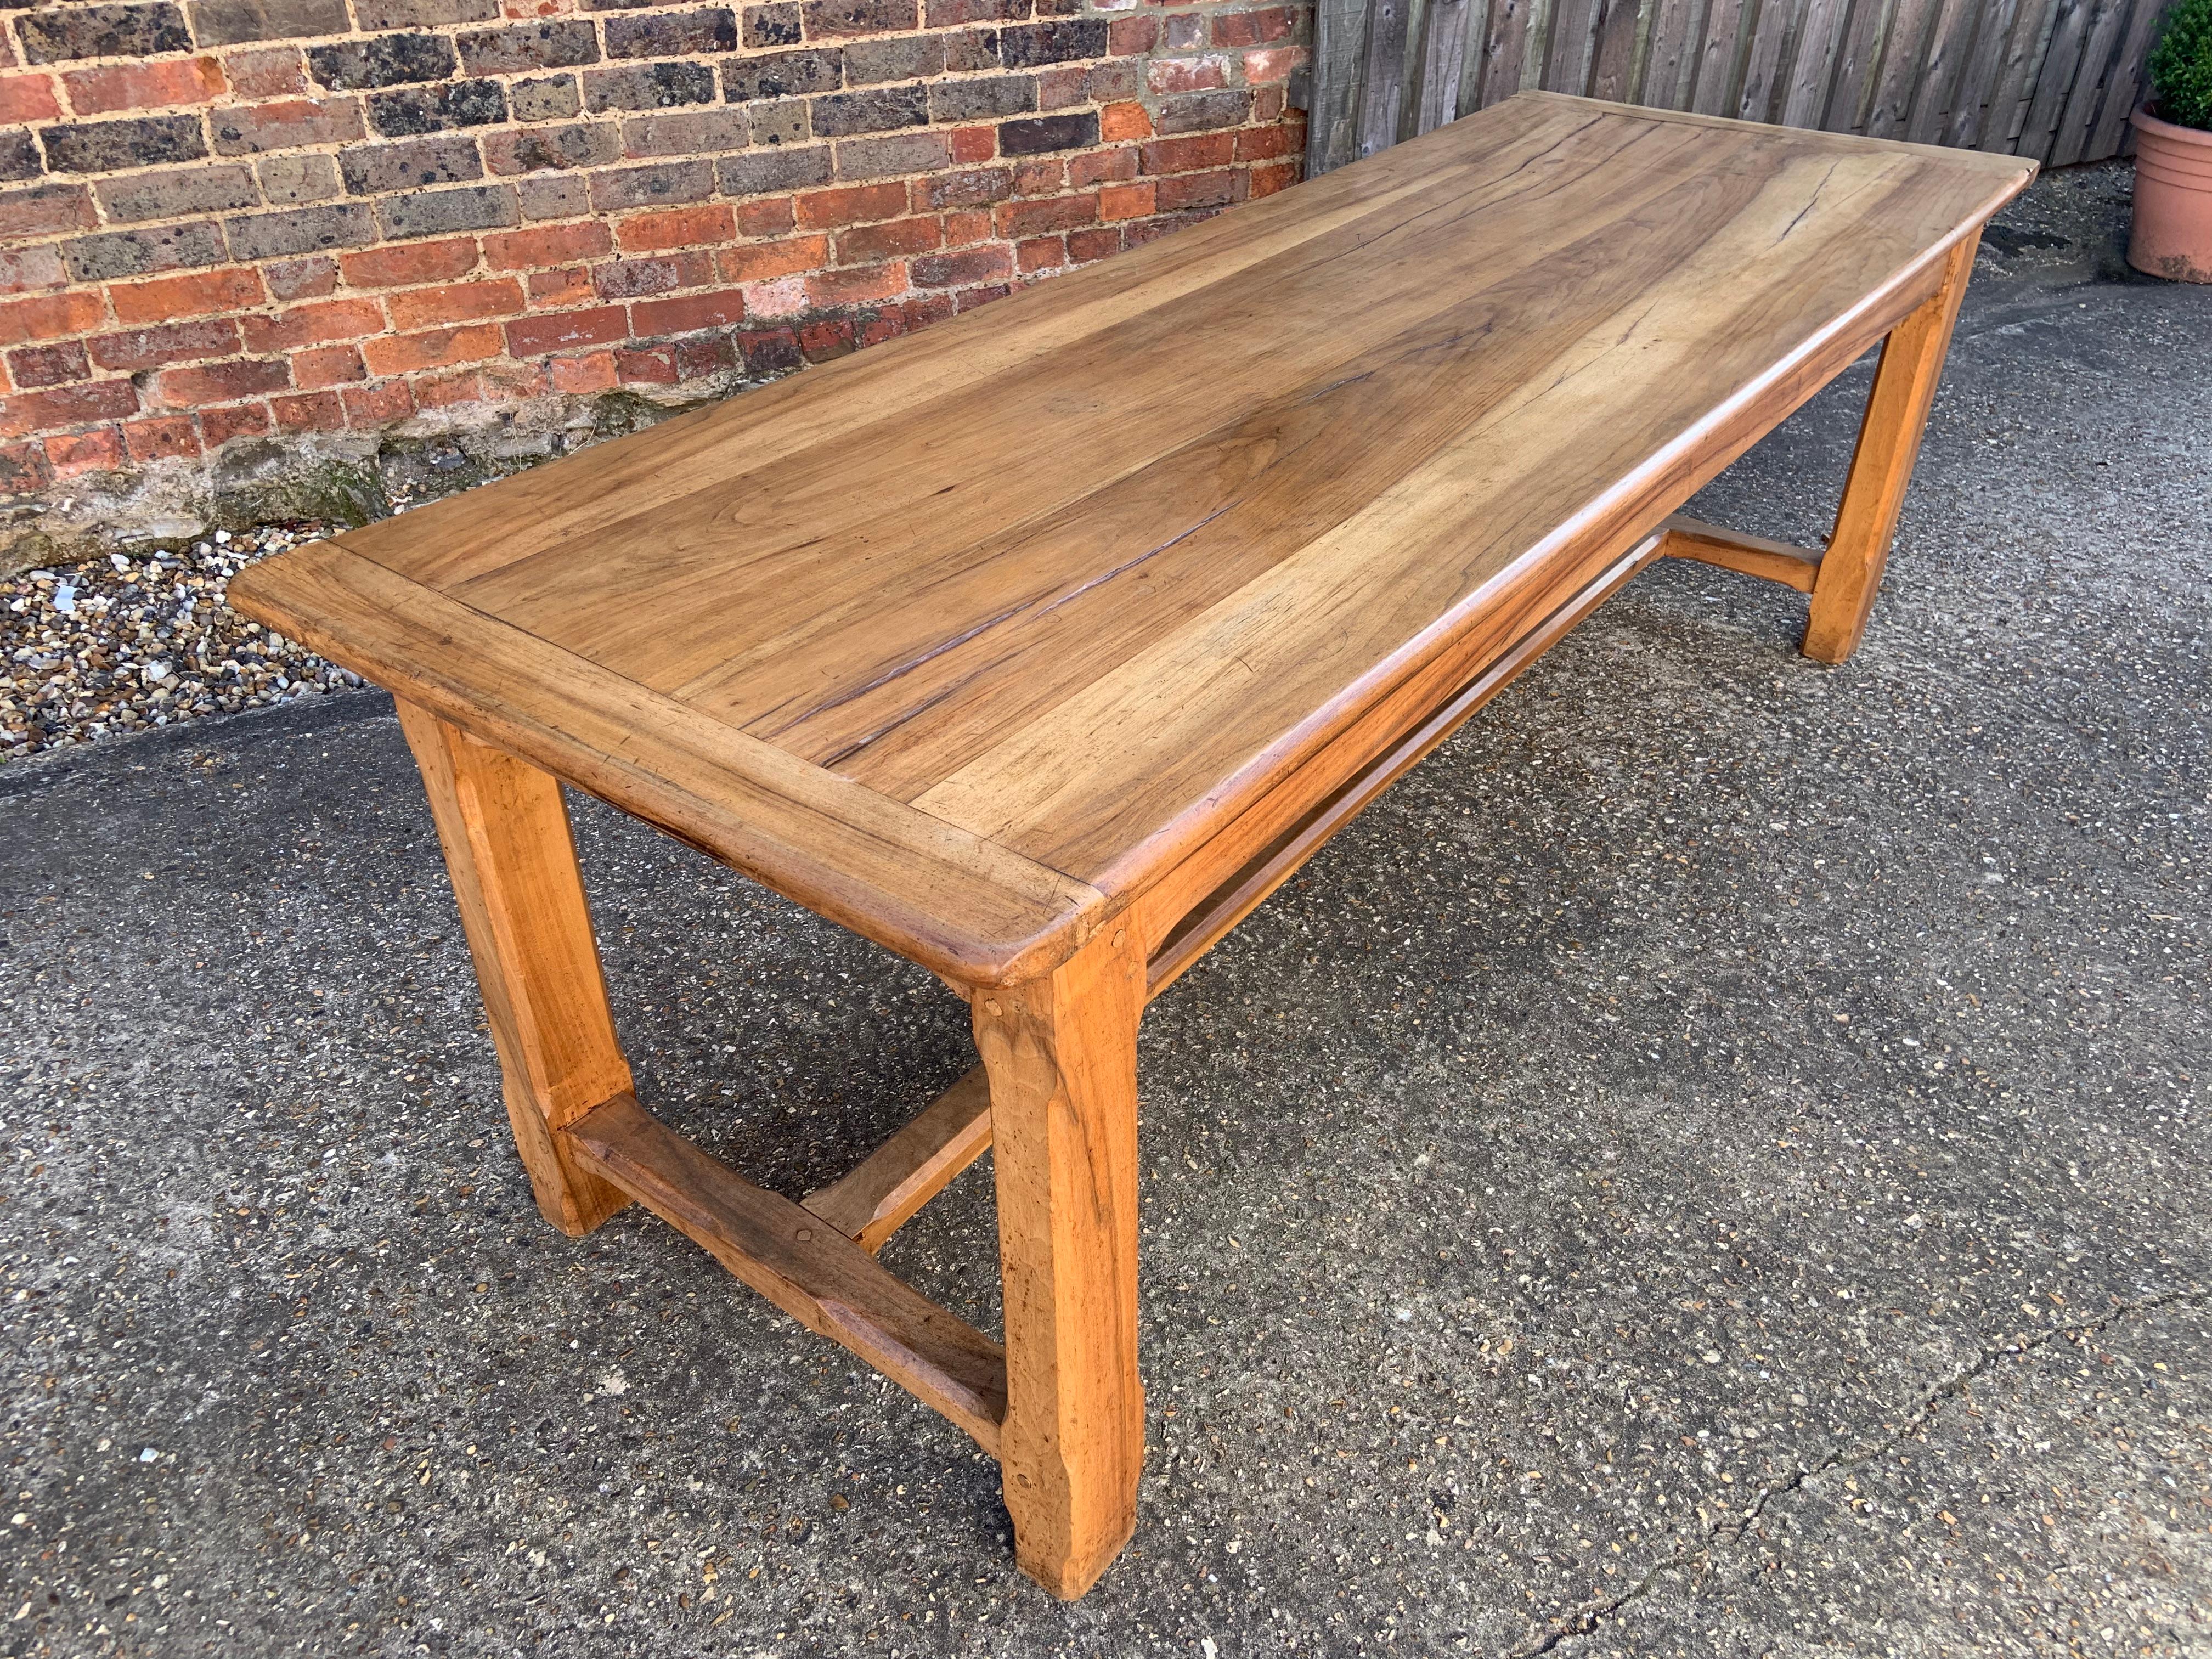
(2053, 80)
(975, 711)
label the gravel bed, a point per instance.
(125, 642)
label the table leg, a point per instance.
(513, 864)
(1061, 1053)
(1889, 439)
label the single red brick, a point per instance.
(24, 269)
(1041, 253)
(438, 348)
(970, 187)
(972, 226)
(311, 324)
(852, 204)
(760, 261)
(548, 245)
(688, 312)
(44, 209)
(636, 279)
(28, 98)
(1272, 66)
(1165, 75)
(1132, 37)
(1061, 87)
(885, 326)
(827, 288)
(49, 365)
(50, 316)
(1262, 144)
(448, 391)
(1277, 175)
(993, 264)
(1118, 123)
(160, 437)
(1196, 190)
(1126, 201)
(969, 298)
(594, 325)
(765, 215)
(511, 382)
(271, 72)
(1084, 245)
(1020, 219)
(312, 412)
(552, 290)
(884, 242)
(588, 371)
(377, 406)
(301, 279)
(1044, 177)
(24, 470)
(221, 383)
(1255, 28)
(927, 308)
(709, 354)
(1204, 149)
(219, 426)
(972, 145)
(829, 338)
(167, 342)
(1268, 104)
(770, 350)
(455, 302)
(100, 450)
(675, 228)
(144, 86)
(410, 262)
(331, 365)
(194, 294)
(645, 365)
(1097, 169)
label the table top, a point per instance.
(964, 639)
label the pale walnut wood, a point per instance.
(1041, 647)
(882, 1193)
(800, 1262)
(1889, 439)
(1061, 1053)
(505, 831)
(1684, 538)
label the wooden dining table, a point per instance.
(1041, 647)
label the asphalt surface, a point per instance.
(1712, 1163)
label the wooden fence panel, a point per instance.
(2054, 79)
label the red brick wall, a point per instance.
(253, 219)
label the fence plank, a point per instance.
(1762, 64)
(1672, 60)
(1978, 76)
(2097, 68)
(1902, 55)
(1567, 66)
(1503, 42)
(1443, 58)
(2008, 104)
(1853, 88)
(1717, 62)
(1813, 70)
(1613, 68)
(2054, 78)
(1942, 63)
(2126, 89)
(1384, 58)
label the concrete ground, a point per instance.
(1712, 1164)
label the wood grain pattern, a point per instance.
(505, 832)
(974, 711)
(800, 1263)
(1061, 1053)
(1684, 538)
(883, 1192)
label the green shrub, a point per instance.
(2181, 66)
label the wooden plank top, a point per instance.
(965, 639)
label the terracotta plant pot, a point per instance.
(2173, 200)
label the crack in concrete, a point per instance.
(1730, 1527)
